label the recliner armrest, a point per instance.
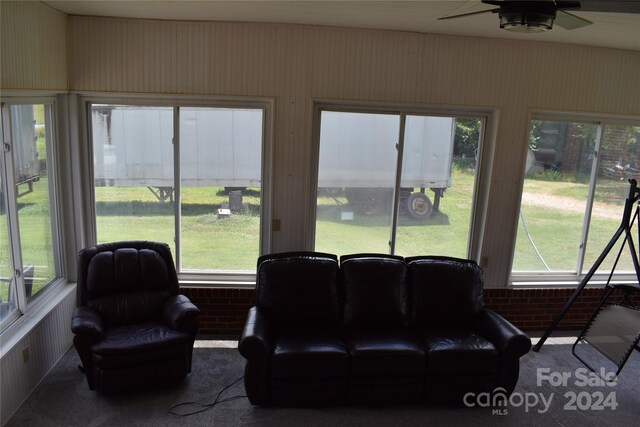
(505, 336)
(256, 341)
(178, 311)
(86, 321)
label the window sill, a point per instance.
(221, 284)
(568, 280)
(36, 312)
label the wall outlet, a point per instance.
(275, 225)
(484, 261)
(25, 354)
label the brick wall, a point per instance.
(535, 309)
(223, 311)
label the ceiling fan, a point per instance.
(538, 16)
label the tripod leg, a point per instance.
(634, 254)
(581, 286)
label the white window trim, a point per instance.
(24, 307)
(560, 279)
(233, 279)
(15, 330)
(486, 147)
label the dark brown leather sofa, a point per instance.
(374, 328)
(132, 327)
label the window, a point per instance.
(220, 184)
(574, 191)
(28, 243)
(133, 172)
(187, 175)
(400, 183)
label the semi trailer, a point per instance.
(221, 148)
(24, 148)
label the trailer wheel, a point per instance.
(419, 206)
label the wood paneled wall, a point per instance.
(297, 64)
(33, 46)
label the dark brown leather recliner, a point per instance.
(469, 347)
(292, 339)
(132, 327)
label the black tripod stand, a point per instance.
(628, 219)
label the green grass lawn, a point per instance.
(444, 234)
(210, 242)
(35, 234)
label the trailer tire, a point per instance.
(419, 206)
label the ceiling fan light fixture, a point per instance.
(526, 22)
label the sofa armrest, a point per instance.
(507, 338)
(87, 322)
(510, 341)
(179, 312)
(256, 345)
(256, 341)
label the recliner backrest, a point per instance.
(375, 290)
(126, 284)
(299, 288)
(445, 291)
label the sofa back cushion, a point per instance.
(445, 291)
(127, 285)
(299, 287)
(375, 291)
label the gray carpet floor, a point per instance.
(63, 399)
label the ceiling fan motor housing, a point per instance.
(525, 16)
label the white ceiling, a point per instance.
(613, 30)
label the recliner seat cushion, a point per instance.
(445, 290)
(385, 352)
(126, 269)
(139, 344)
(375, 291)
(299, 287)
(307, 354)
(459, 352)
(131, 307)
(127, 285)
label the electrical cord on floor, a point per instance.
(206, 406)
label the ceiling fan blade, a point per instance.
(570, 21)
(614, 6)
(534, 4)
(467, 14)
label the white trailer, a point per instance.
(358, 153)
(24, 148)
(132, 147)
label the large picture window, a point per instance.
(574, 191)
(400, 183)
(190, 176)
(28, 241)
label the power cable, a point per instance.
(206, 406)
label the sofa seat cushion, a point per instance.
(459, 351)
(309, 354)
(139, 344)
(385, 352)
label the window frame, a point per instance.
(26, 305)
(230, 279)
(541, 279)
(482, 180)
